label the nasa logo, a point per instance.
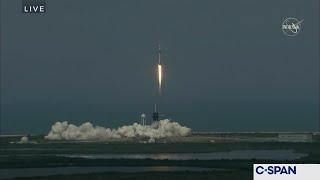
(291, 26)
(33, 6)
(276, 170)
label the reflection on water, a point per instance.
(30, 172)
(240, 154)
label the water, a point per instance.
(30, 172)
(236, 154)
(232, 155)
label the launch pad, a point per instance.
(155, 114)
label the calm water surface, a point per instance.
(237, 154)
(30, 172)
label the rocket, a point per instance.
(159, 70)
(155, 115)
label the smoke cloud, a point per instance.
(88, 132)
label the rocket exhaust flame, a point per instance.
(159, 76)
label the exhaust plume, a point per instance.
(88, 132)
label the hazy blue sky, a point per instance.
(228, 65)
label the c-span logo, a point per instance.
(276, 170)
(291, 26)
(33, 6)
(286, 171)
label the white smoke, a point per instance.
(24, 140)
(88, 132)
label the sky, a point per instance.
(227, 64)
